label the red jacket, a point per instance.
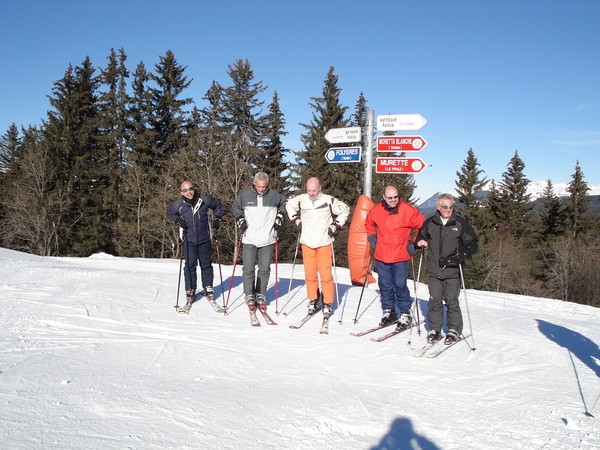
(392, 230)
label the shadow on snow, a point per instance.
(402, 436)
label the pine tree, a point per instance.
(9, 157)
(551, 213)
(273, 152)
(113, 119)
(578, 214)
(328, 113)
(242, 111)
(9, 142)
(140, 135)
(73, 135)
(169, 119)
(469, 189)
(516, 204)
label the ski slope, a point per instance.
(93, 355)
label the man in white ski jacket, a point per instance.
(318, 217)
(259, 212)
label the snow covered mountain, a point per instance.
(535, 188)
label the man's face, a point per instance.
(445, 207)
(260, 186)
(313, 189)
(391, 197)
(187, 190)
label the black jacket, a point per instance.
(444, 239)
(195, 213)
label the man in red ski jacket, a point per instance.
(388, 225)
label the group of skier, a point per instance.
(446, 238)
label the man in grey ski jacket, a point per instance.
(449, 240)
(259, 212)
(190, 212)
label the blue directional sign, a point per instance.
(343, 154)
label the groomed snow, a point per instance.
(93, 356)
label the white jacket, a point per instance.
(316, 216)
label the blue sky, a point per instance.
(494, 76)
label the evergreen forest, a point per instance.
(99, 172)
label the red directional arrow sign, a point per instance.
(400, 143)
(400, 165)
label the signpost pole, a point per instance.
(368, 177)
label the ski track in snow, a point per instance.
(93, 355)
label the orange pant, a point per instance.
(318, 260)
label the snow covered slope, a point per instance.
(93, 355)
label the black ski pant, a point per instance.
(440, 291)
(194, 254)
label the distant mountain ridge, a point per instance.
(535, 188)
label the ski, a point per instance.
(184, 309)
(441, 350)
(218, 308)
(303, 321)
(267, 317)
(253, 319)
(395, 332)
(371, 330)
(427, 347)
(325, 326)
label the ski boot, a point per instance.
(451, 337)
(404, 322)
(261, 301)
(389, 317)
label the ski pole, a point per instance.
(235, 258)
(365, 284)
(589, 414)
(220, 271)
(292, 276)
(180, 266)
(412, 262)
(462, 278)
(276, 276)
(337, 295)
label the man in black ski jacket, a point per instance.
(190, 212)
(449, 240)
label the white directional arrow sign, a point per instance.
(406, 122)
(343, 135)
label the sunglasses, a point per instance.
(392, 198)
(446, 207)
(183, 191)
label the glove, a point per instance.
(333, 228)
(372, 238)
(278, 221)
(410, 248)
(458, 257)
(216, 223)
(241, 223)
(182, 223)
(298, 222)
